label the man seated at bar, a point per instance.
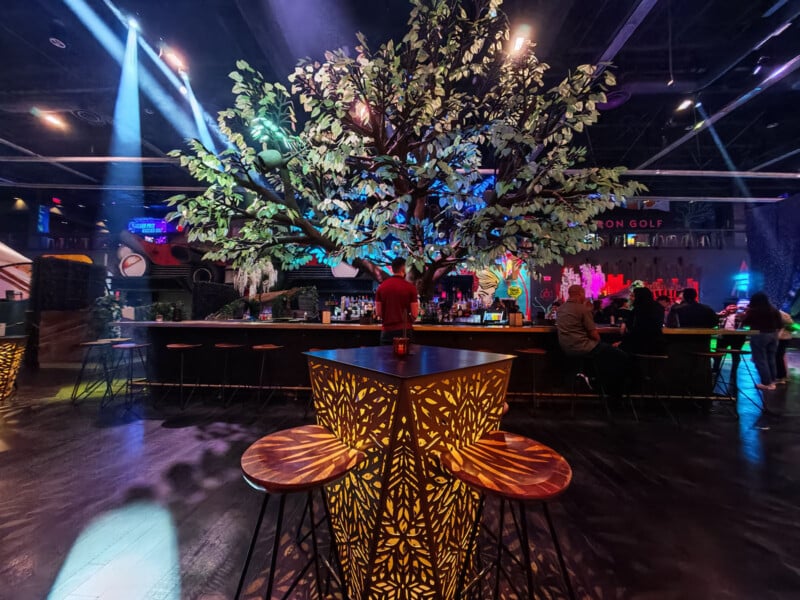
(396, 303)
(691, 313)
(578, 337)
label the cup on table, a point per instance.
(400, 346)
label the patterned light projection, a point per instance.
(12, 349)
(401, 522)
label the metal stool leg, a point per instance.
(273, 561)
(499, 548)
(526, 549)
(79, 380)
(561, 563)
(252, 545)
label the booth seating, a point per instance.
(298, 460)
(516, 470)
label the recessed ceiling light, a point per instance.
(772, 125)
(57, 43)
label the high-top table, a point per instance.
(401, 522)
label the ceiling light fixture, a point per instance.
(133, 23)
(685, 104)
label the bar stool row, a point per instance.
(103, 359)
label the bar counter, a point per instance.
(287, 366)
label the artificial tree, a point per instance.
(395, 151)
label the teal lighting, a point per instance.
(128, 553)
(126, 137)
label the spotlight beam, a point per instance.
(152, 89)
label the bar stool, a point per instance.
(226, 348)
(96, 353)
(534, 354)
(182, 349)
(301, 459)
(130, 352)
(517, 470)
(584, 368)
(648, 367)
(264, 350)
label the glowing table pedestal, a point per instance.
(401, 522)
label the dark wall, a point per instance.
(773, 238)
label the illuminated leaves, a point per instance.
(387, 157)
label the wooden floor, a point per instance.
(150, 503)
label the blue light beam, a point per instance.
(171, 111)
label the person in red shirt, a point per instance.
(396, 303)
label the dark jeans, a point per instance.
(765, 347)
(613, 368)
(388, 336)
(780, 359)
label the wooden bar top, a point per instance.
(300, 325)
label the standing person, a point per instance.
(396, 303)
(690, 313)
(730, 318)
(642, 333)
(765, 318)
(578, 336)
(784, 337)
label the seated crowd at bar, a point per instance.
(641, 331)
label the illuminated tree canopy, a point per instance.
(446, 147)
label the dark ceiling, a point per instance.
(709, 48)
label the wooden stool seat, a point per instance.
(737, 351)
(118, 340)
(510, 465)
(297, 459)
(300, 459)
(95, 343)
(536, 351)
(183, 346)
(517, 470)
(266, 347)
(228, 346)
(129, 346)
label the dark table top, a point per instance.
(422, 360)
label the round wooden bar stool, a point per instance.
(132, 351)
(226, 348)
(300, 459)
(535, 354)
(98, 354)
(265, 350)
(182, 349)
(517, 470)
